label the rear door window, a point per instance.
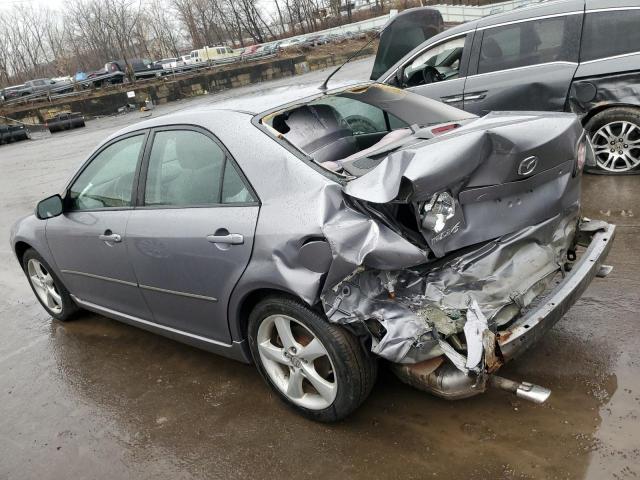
(607, 34)
(188, 169)
(530, 43)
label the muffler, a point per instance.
(525, 390)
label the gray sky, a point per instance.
(57, 4)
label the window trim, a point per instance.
(136, 177)
(144, 170)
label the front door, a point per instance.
(191, 237)
(88, 241)
(440, 71)
(524, 66)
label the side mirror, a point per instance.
(49, 207)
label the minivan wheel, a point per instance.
(615, 136)
(49, 290)
(317, 368)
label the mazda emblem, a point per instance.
(527, 166)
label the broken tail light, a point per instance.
(437, 211)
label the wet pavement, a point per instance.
(94, 398)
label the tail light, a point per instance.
(444, 128)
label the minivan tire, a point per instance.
(347, 365)
(615, 117)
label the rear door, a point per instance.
(191, 236)
(524, 65)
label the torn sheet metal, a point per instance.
(424, 310)
(595, 90)
(479, 165)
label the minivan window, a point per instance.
(611, 33)
(529, 43)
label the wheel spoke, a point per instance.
(271, 352)
(283, 326)
(324, 388)
(294, 385)
(313, 350)
(54, 295)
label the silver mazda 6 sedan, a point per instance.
(315, 232)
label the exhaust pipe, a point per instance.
(524, 390)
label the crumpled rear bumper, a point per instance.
(535, 323)
(440, 377)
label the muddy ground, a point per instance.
(97, 399)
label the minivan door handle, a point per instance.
(475, 95)
(230, 239)
(452, 99)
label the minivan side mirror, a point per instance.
(49, 207)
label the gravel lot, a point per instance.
(97, 399)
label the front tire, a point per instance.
(47, 287)
(317, 368)
(615, 136)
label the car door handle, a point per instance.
(230, 239)
(110, 237)
(475, 96)
(452, 99)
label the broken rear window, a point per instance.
(335, 130)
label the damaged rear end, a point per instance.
(456, 241)
(495, 207)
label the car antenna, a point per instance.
(323, 87)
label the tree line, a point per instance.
(40, 42)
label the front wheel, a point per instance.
(317, 368)
(615, 136)
(49, 290)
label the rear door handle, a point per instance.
(110, 237)
(230, 239)
(452, 99)
(475, 96)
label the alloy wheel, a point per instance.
(297, 362)
(44, 286)
(617, 146)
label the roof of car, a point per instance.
(266, 99)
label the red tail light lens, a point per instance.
(444, 128)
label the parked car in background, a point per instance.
(406, 232)
(574, 55)
(11, 92)
(169, 62)
(206, 54)
(45, 86)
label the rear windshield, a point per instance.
(341, 130)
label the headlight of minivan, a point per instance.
(437, 211)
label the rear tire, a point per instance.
(47, 287)
(615, 136)
(317, 368)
